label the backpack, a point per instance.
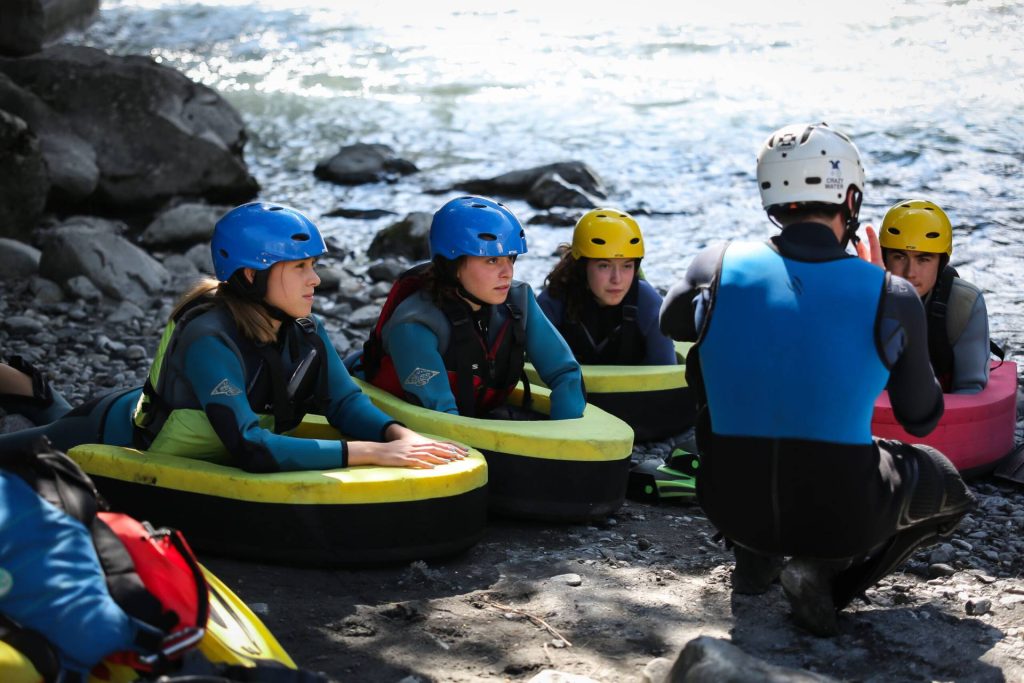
(151, 575)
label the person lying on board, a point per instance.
(917, 243)
(455, 333)
(241, 361)
(598, 300)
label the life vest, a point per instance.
(286, 393)
(940, 336)
(152, 575)
(624, 344)
(481, 375)
(772, 339)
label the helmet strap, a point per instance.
(851, 216)
(465, 294)
(256, 292)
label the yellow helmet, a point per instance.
(917, 225)
(607, 233)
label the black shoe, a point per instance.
(754, 573)
(808, 587)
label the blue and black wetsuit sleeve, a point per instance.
(216, 376)
(659, 349)
(413, 348)
(555, 363)
(686, 308)
(349, 410)
(902, 338)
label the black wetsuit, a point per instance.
(800, 491)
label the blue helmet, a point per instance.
(258, 234)
(475, 226)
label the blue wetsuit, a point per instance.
(655, 347)
(216, 384)
(418, 334)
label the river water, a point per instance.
(669, 105)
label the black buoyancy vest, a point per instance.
(623, 343)
(940, 351)
(287, 392)
(481, 375)
(484, 373)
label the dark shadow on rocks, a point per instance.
(921, 643)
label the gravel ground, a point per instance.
(603, 600)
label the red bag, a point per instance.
(169, 572)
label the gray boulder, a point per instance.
(519, 183)
(363, 163)
(24, 182)
(156, 134)
(711, 660)
(552, 189)
(201, 258)
(70, 160)
(27, 25)
(409, 237)
(114, 265)
(185, 224)
(17, 260)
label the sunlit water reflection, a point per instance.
(669, 104)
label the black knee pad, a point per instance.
(933, 491)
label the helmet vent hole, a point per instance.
(275, 208)
(487, 237)
(765, 185)
(814, 181)
(807, 134)
(478, 206)
(522, 233)
(635, 240)
(893, 231)
(928, 208)
(785, 183)
(823, 152)
(932, 235)
(785, 154)
(300, 237)
(223, 253)
(598, 240)
(602, 215)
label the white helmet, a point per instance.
(808, 163)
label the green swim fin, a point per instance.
(651, 482)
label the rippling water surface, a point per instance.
(668, 104)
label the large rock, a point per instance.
(70, 160)
(711, 660)
(363, 163)
(24, 182)
(27, 25)
(409, 237)
(17, 260)
(117, 267)
(185, 224)
(552, 189)
(518, 183)
(156, 134)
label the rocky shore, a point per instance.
(116, 170)
(611, 601)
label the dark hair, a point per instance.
(567, 282)
(787, 214)
(440, 280)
